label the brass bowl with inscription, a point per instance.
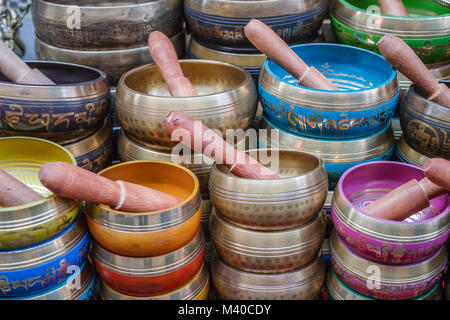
(300, 284)
(227, 100)
(406, 154)
(63, 113)
(425, 124)
(33, 223)
(104, 24)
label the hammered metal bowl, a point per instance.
(148, 276)
(338, 290)
(80, 285)
(426, 124)
(113, 62)
(384, 281)
(426, 30)
(227, 100)
(389, 242)
(196, 289)
(32, 223)
(301, 284)
(222, 22)
(337, 155)
(267, 252)
(406, 154)
(364, 104)
(277, 204)
(41, 267)
(150, 233)
(94, 153)
(72, 109)
(105, 24)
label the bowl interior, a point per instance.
(349, 68)
(285, 163)
(416, 8)
(365, 183)
(207, 77)
(161, 176)
(63, 74)
(23, 157)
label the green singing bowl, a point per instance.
(426, 30)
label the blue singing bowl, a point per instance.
(365, 103)
(39, 268)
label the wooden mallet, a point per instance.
(14, 192)
(73, 182)
(393, 8)
(405, 60)
(413, 196)
(275, 48)
(13, 68)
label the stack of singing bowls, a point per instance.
(268, 233)
(426, 30)
(72, 113)
(150, 255)
(426, 129)
(112, 36)
(43, 244)
(227, 100)
(373, 258)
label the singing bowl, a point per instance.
(94, 152)
(206, 214)
(383, 241)
(266, 252)
(338, 290)
(196, 289)
(300, 284)
(426, 124)
(35, 222)
(382, 281)
(65, 112)
(404, 153)
(105, 24)
(337, 155)
(227, 100)
(200, 165)
(113, 62)
(149, 276)
(148, 234)
(426, 30)
(40, 267)
(223, 22)
(365, 103)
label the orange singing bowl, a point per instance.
(151, 233)
(151, 275)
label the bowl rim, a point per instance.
(93, 7)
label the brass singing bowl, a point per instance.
(405, 153)
(32, 223)
(200, 165)
(196, 289)
(94, 152)
(150, 233)
(227, 100)
(300, 284)
(394, 281)
(271, 204)
(339, 291)
(113, 62)
(105, 24)
(267, 252)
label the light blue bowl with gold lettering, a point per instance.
(39, 268)
(365, 103)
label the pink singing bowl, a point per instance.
(410, 241)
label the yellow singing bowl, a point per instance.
(32, 223)
(150, 233)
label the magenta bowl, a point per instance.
(410, 241)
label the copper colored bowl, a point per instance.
(150, 233)
(151, 275)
